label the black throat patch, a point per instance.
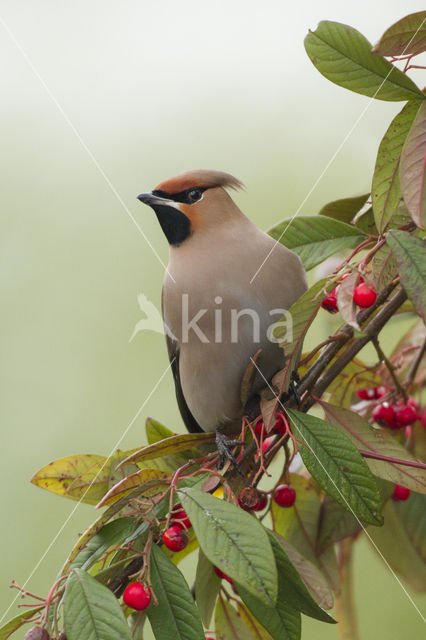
(175, 225)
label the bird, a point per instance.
(217, 314)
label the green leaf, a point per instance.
(291, 588)
(316, 238)
(297, 527)
(337, 466)
(386, 189)
(236, 623)
(344, 209)
(155, 431)
(207, 584)
(409, 253)
(111, 534)
(405, 37)
(303, 313)
(282, 621)
(343, 55)
(17, 622)
(314, 580)
(176, 616)
(91, 611)
(413, 167)
(335, 524)
(355, 374)
(380, 441)
(231, 539)
(403, 540)
(169, 446)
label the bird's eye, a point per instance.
(194, 195)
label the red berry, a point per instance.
(285, 496)
(280, 425)
(260, 426)
(400, 494)
(250, 499)
(179, 515)
(267, 443)
(364, 295)
(329, 303)
(412, 403)
(380, 391)
(223, 576)
(369, 393)
(175, 538)
(261, 503)
(384, 414)
(137, 596)
(405, 414)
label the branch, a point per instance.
(407, 463)
(371, 330)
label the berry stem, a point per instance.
(415, 365)
(389, 366)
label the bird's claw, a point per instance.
(223, 443)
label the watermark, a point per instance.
(217, 324)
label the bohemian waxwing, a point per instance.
(216, 315)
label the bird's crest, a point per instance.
(205, 178)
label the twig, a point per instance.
(415, 365)
(406, 463)
(372, 329)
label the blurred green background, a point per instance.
(153, 88)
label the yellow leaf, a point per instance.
(138, 479)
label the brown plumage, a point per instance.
(214, 252)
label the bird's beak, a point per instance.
(151, 200)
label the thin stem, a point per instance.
(389, 366)
(415, 365)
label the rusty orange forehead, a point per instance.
(205, 178)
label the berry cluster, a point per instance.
(175, 538)
(364, 296)
(396, 415)
(138, 596)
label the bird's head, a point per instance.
(191, 202)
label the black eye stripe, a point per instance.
(182, 196)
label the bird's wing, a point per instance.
(173, 350)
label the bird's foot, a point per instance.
(292, 389)
(223, 444)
